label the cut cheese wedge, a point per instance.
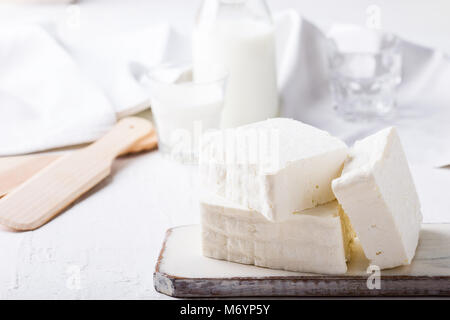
(377, 192)
(315, 240)
(275, 167)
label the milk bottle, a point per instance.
(239, 35)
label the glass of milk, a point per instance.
(240, 35)
(183, 109)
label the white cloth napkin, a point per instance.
(45, 101)
(61, 86)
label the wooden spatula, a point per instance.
(59, 184)
(17, 169)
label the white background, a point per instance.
(426, 22)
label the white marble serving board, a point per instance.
(182, 271)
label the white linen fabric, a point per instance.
(45, 101)
(62, 86)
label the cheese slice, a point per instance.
(315, 240)
(377, 192)
(275, 167)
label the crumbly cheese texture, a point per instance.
(377, 192)
(316, 240)
(275, 167)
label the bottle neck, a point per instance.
(213, 10)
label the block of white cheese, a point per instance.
(315, 240)
(275, 167)
(377, 192)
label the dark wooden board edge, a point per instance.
(296, 286)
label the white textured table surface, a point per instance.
(106, 245)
